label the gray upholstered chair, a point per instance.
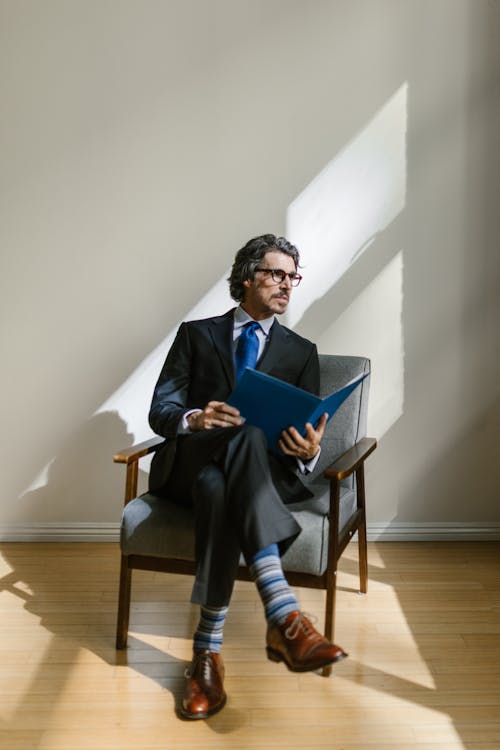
(157, 534)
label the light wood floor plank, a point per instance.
(423, 672)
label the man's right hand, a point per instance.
(215, 414)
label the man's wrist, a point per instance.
(187, 421)
(308, 465)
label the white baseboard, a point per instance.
(60, 532)
(394, 531)
(383, 531)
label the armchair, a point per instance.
(156, 534)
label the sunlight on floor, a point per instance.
(422, 670)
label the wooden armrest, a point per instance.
(135, 452)
(349, 461)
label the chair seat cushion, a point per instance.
(158, 527)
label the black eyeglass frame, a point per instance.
(278, 275)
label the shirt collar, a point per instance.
(241, 318)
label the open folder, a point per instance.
(274, 405)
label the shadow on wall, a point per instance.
(82, 474)
(337, 221)
(461, 465)
(343, 220)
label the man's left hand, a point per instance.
(292, 443)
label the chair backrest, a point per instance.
(348, 424)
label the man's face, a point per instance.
(264, 296)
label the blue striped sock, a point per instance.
(277, 596)
(210, 631)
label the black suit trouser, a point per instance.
(230, 479)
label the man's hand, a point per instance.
(215, 414)
(293, 444)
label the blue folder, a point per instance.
(273, 405)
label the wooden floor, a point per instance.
(423, 672)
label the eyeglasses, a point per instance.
(278, 276)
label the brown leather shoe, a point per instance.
(300, 646)
(204, 691)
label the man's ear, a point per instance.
(247, 283)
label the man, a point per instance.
(220, 465)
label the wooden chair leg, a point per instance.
(331, 573)
(331, 595)
(362, 544)
(123, 604)
(363, 559)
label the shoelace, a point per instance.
(303, 621)
(201, 661)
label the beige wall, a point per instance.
(143, 142)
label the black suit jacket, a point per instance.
(200, 368)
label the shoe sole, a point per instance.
(183, 714)
(277, 656)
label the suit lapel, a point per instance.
(221, 330)
(278, 340)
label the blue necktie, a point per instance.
(247, 349)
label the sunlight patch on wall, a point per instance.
(132, 400)
(41, 480)
(372, 326)
(333, 221)
(349, 202)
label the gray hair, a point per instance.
(248, 258)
